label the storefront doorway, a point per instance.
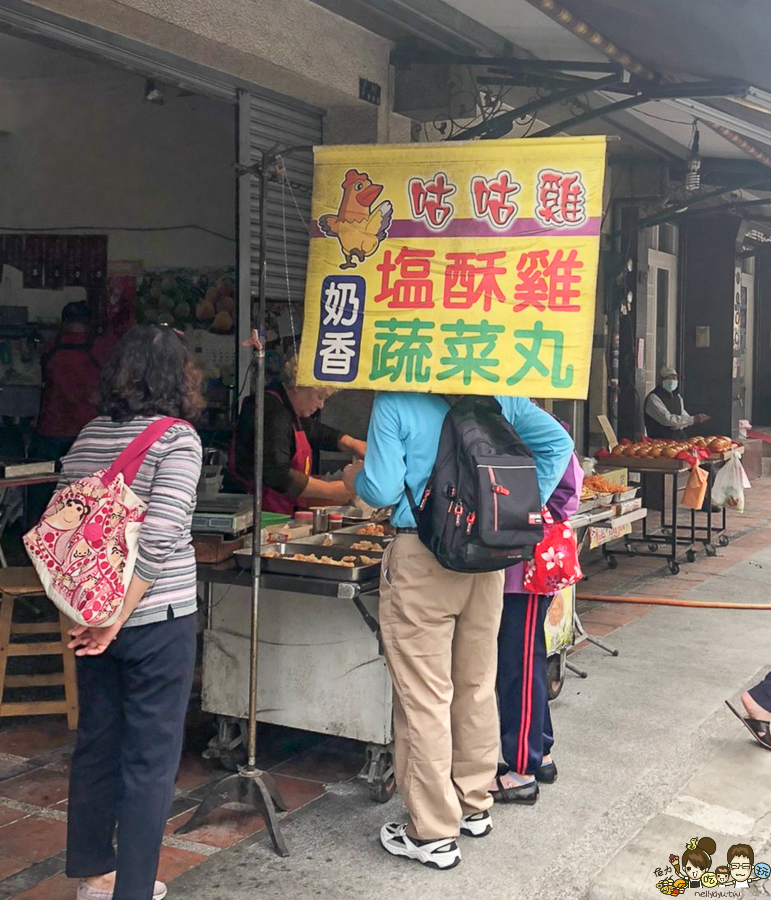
(121, 162)
(662, 337)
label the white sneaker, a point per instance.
(85, 892)
(441, 854)
(477, 825)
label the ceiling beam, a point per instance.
(598, 113)
(594, 38)
(405, 56)
(752, 150)
(501, 124)
(743, 204)
(676, 210)
(644, 95)
(430, 21)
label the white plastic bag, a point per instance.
(730, 483)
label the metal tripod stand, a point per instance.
(251, 786)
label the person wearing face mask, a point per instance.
(291, 436)
(665, 413)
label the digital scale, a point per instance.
(223, 514)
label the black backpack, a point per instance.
(481, 509)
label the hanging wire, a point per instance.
(280, 162)
(286, 269)
(296, 206)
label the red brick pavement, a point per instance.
(649, 577)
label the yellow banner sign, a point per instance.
(461, 268)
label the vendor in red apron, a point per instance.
(291, 437)
(71, 370)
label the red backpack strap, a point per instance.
(134, 455)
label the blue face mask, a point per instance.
(670, 384)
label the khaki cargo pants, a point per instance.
(440, 631)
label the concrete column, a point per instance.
(352, 124)
(365, 124)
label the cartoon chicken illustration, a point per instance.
(358, 226)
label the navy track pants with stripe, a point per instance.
(526, 729)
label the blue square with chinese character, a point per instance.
(340, 326)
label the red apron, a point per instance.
(68, 402)
(273, 501)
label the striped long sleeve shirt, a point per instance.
(167, 482)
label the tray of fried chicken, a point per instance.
(316, 561)
(374, 545)
(607, 492)
(588, 500)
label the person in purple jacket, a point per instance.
(526, 729)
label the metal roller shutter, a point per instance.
(274, 124)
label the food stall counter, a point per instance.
(672, 533)
(320, 666)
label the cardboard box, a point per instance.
(614, 475)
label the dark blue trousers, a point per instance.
(132, 702)
(761, 693)
(526, 730)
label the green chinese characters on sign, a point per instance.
(402, 350)
(470, 347)
(534, 354)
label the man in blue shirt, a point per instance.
(440, 630)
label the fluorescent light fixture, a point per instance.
(708, 114)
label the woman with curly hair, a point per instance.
(134, 677)
(292, 436)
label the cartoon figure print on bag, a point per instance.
(69, 514)
(81, 539)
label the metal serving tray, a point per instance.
(344, 539)
(362, 572)
(617, 497)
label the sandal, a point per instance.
(761, 731)
(524, 793)
(546, 774)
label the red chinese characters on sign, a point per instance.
(412, 288)
(548, 281)
(492, 198)
(560, 198)
(429, 200)
(470, 277)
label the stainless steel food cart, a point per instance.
(320, 663)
